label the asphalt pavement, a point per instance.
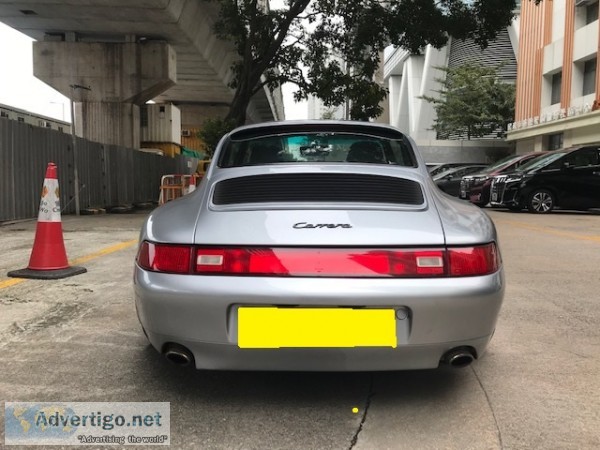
(537, 387)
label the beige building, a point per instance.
(20, 115)
(411, 76)
(558, 78)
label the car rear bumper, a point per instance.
(200, 313)
(210, 356)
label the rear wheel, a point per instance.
(541, 201)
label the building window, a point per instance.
(20, 119)
(589, 77)
(591, 12)
(3, 114)
(143, 116)
(555, 141)
(556, 85)
(61, 129)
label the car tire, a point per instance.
(541, 201)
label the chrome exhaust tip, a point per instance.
(459, 357)
(179, 355)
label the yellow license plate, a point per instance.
(274, 327)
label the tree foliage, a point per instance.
(212, 131)
(274, 45)
(473, 102)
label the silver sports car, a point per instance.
(318, 246)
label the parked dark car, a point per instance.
(476, 187)
(449, 180)
(568, 179)
(436, 169)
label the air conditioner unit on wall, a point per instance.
(186, 133)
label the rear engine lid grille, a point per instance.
(318, 187)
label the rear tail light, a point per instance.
(320, 262)
(165, 258)
(309, 262)
(473, 261)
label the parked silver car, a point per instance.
(290, 259)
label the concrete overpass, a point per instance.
(129, 52)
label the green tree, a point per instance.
(274, 45)
(212, 131)
(473, 102)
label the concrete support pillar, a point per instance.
(385, 104)
(107, 82)
(398, 103)
(112, 123)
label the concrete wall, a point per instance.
(193, 115)
(108, 82)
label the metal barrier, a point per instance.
(108, 175)
(175, 186)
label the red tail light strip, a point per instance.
(320, 262)
(165, 258)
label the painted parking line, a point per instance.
(11, 282)
(551, 231)
(105, 251)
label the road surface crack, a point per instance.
(365, 412)
(489, 402)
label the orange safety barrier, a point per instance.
(175, 186)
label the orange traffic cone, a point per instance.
(48, 259)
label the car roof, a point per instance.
(340, 126)
(510, 162)
(456, 169)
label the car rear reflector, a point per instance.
(165, 258)
(320, 262)
(473, 261)
(323, 262)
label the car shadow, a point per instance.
(170, 381)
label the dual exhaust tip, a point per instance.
(458, 357)
(179, 355)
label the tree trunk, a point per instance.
(237, 109)
(243, 95)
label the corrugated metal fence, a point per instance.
(108, 175)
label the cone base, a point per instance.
(47, 274)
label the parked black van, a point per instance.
(568, 179)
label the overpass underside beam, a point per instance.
(107, 83)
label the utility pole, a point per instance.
(74, 144)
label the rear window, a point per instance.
(541, 161)
(317, 148)
(509, 160)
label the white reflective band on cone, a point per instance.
(50, 203)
